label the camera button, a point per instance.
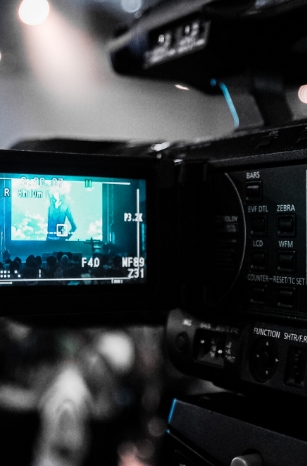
(258, 225)
(263, 359)
(286, 225)
(258, 294)
(182, 342)
(258, 260)
(286, 297)
(253, 191)
(286, 261)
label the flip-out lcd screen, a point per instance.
(71, 230)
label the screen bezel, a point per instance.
(159, 290)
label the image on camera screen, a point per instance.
(72, 230)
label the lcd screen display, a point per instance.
(71, 230)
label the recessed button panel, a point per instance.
(258, 260)
(271, 277)
(258, 225)
(286, 261)
(258, 294)
(253, 191)
(286, 225)
(286, 297)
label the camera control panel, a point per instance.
(259, 240)
(239, 355)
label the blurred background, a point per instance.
(90, 396)
(86, 397)
(56, 79)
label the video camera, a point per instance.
(244, 267)
(241, 321)
(211, 234)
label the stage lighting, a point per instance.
(33, 12)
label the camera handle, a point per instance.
(225, 429)
(255, 100)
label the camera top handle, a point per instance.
(246, 50)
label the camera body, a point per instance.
(241, 320)
(224, 249)
(251, 330)
(249, 335)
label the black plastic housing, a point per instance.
(193, 42)
(158, 293)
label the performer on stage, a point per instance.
(58, 212)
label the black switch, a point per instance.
(286, 297)
(258, 260)
(253, 191)
(182, 342)
(296, 366)
(258, 294)
(258, 226)
(286, 225)
(286, 261)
